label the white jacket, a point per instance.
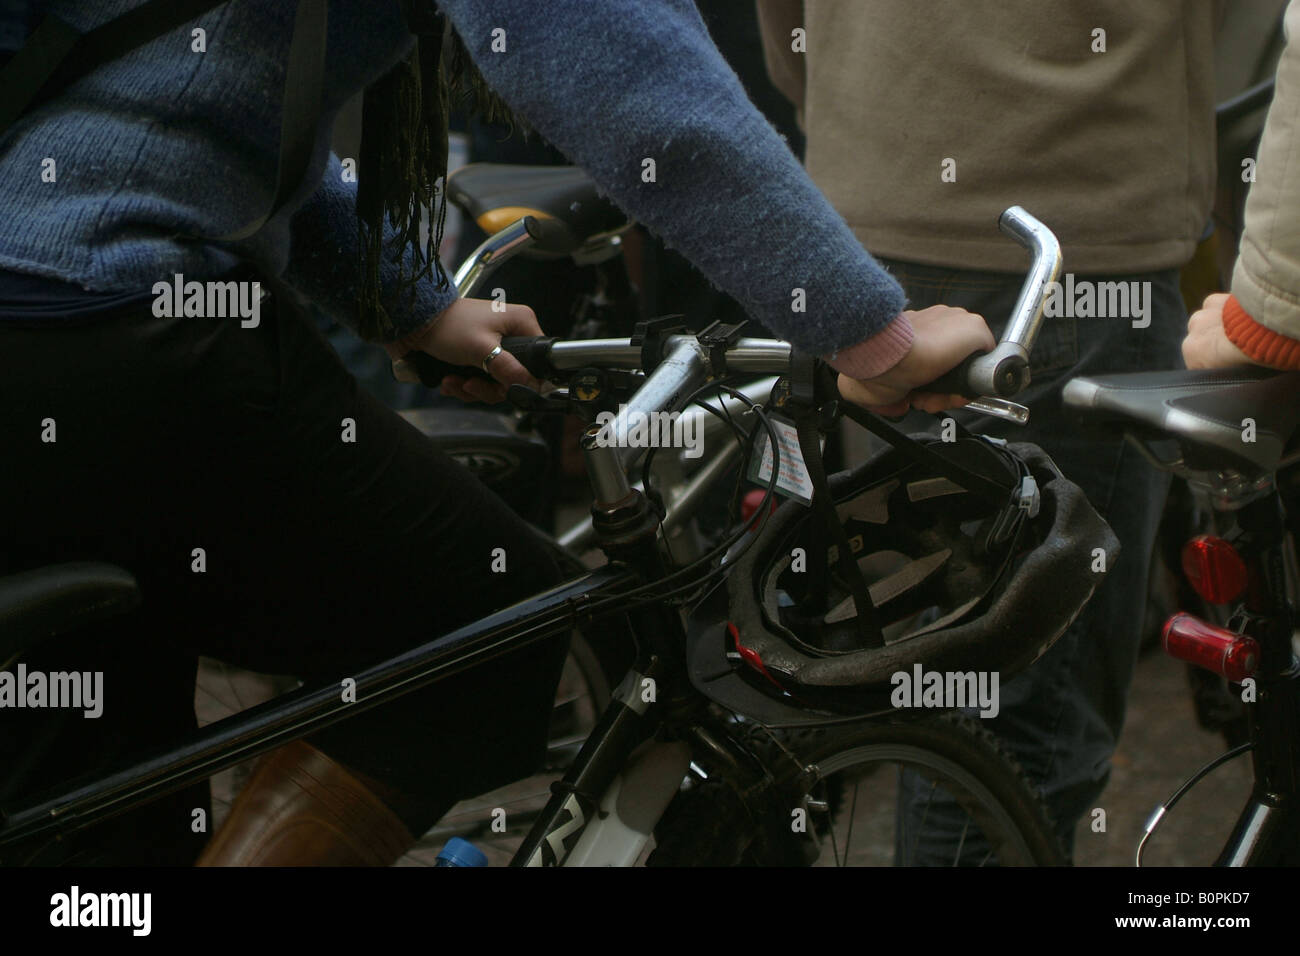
(1266, 279)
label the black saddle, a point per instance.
(496, 194)
(38, 604)
(1207, 410)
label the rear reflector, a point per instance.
(1188, 638)
(750, 504)
(749, 655)
(1214, 569)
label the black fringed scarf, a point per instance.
(403, 162)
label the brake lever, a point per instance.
(1000, 408)
(530, 400)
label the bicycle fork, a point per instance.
(605, 808)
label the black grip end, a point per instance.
(1010, 377)
(955, 381)
(533, 352)
(551, 235)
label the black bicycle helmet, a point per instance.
(959, 580)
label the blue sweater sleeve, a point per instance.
(617, 83)
(323, 260)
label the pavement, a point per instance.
(1161, 746)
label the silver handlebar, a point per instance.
(685, 367)
(1027, 317)
(495, 251)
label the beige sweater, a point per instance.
(1113, 150)
(1266, 280)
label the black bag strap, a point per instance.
(300, 109)
(56, 55)
(45, 65)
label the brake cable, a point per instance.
(692, 570)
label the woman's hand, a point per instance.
(943, 337)
(465, 333)
(1207, 345)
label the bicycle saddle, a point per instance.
(38, 604)
(497, 194)
(1205, 409)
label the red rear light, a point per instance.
(1188, 638)
(750, 504)
(1214, 568)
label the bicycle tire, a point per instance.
(711, 825)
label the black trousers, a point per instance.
(213, 462)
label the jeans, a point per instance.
(1061, 718)
(213, 462)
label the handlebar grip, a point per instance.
(551, 235)
(532, 352)
(432, 371)
(955, 381)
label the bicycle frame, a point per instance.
(1268, 826)
(1270, 816)
(657, 687)
(298, 713)
(630, 784)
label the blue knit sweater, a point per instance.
(167, 142)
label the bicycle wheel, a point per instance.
(590, 671)
(930, 791)
(497, 822)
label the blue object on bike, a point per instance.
(460, 852)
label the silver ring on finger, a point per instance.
(490, 356)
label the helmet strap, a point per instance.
(919, 453)
(805, 409)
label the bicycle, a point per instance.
(1230, 435)
(559, 215)
(692, 714)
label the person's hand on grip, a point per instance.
(942, 337)
(465, 333)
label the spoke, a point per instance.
(853, 813)
(830, 820)
(920, 827)
(962, 842)
(225, 671)
(570, 699)
(202, 686)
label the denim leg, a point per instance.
(1062, 717)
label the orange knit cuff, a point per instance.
(1260, 343)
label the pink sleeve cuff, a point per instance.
(876, 355)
